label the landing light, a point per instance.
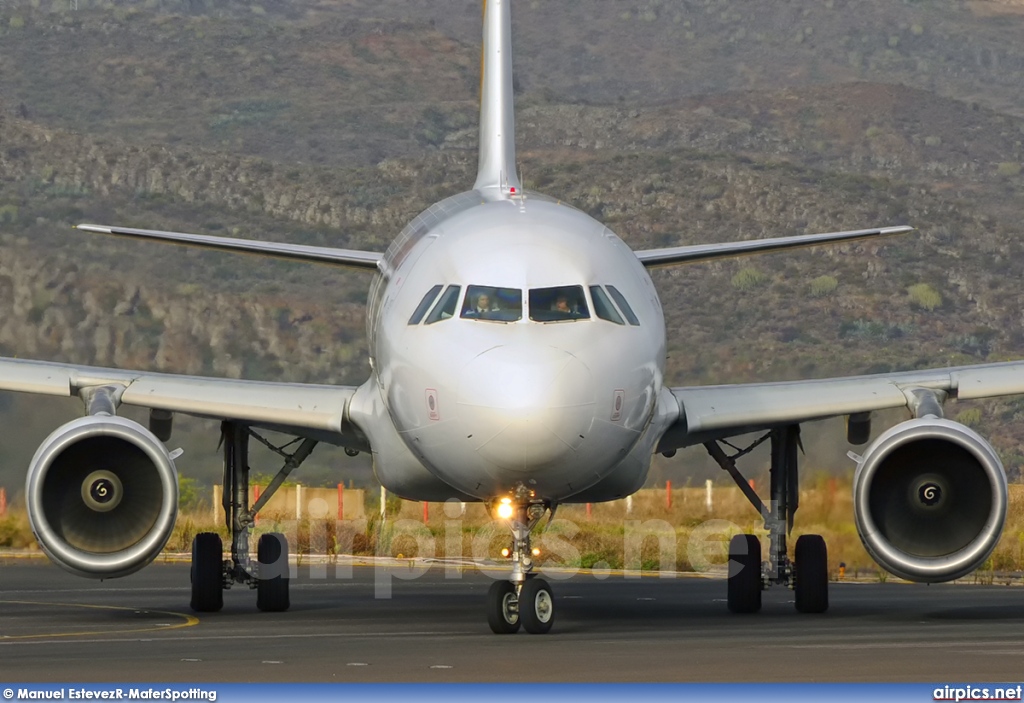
(505, 509)
(505, 552)
(536, 552)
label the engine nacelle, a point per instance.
(102, 496)
(929, 498)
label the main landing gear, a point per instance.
(524, 600)
(268, 574)
(807, 574)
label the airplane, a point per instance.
(517, 350)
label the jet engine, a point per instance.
(930, 500)
(102, 496)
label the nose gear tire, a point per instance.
(503, 608)
(536, 606)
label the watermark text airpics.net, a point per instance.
(405, 549)
(1003, 692)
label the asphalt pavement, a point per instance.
(345, 626)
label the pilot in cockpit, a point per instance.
(493, 304)
(563, 306)
(482, 308)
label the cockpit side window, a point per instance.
(493, 304)
(559, 304)
(424, 305)
(445, 307)
(603, 307)
(624, 306)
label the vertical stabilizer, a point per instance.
(497, 170)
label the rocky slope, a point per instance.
(152, 143)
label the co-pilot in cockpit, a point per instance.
(559, 304)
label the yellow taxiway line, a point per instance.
(187, 620)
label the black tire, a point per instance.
(503, 608)
(207, 573)
(811, 587)
(536, 606)
(272, 586)
(744, 583)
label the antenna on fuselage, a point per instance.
(496, 172)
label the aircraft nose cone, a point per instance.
(525, 408)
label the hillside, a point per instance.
(336, 122)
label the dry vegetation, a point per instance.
(685, 537)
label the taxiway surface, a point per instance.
(56, 627)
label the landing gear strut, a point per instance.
(748, 576)
(268, 574)
(524, 600)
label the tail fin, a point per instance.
(496, 172)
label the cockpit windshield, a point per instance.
(424, 305)
(445, 307)
(624, 306)
(493, 304)
(558, 304)
(603, 307)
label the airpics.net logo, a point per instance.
(978, 693)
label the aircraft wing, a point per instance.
(716, 412)
(652, 258)
(319, 412)
(351, 258)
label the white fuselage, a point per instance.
(566, 404)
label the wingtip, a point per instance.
(901, 229)
(92, 228)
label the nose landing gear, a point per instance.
(524, 600)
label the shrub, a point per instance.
(190, 494)
(748, 279)
(970, 417)
(1008, 168)
(15, 532)
(924, 296)
(8, 213)
(823, 286)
